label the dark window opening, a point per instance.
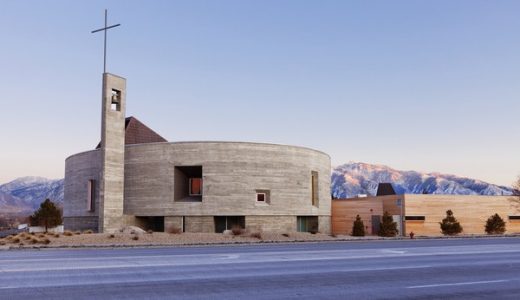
(314, 188)
(263, 196)
(307, 224)
(414, 218)
(514, 217)
(188, 184)
(91, 195)
(151, 223)
(115, 103)
(228, 222)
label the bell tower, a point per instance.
(112, 153)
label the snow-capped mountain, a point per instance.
(353, 178)
(32, 191)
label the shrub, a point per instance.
(236, 230)
(358, 228)
(111, 236)
(495, 225)
(149, 231)
(27, 237)
(67, 233)
(89, 231)
(388, 227)
(2, 242)
(285, 234)
(48, 215)
(56, 235)
(135, 237)
(174, 230)
(450, 225)
(41, 235)
(15, 240)
(77, 232)
(45, 241)
(256, 234)
(34, 240)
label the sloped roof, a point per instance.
(138, 133)
(384, 189)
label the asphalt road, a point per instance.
(420, 269)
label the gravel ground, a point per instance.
(156, 238)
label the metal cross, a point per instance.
(105, 45)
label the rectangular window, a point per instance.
(314, 188)
(514, 218)
(195, 186)
(115, 103)
(307, 224)
(260, 197)
(91, 195)
(414, 218)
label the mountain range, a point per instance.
(24, 195)
(354, 178)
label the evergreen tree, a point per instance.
(450, 225)
(495, 225)
(358, 228)
(388, 227)
(48, 215)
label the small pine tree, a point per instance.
(495, 225)
(358, 228)
(450, 225)
(48, 215)
(388, 227)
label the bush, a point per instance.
(34, 240)
(15, 240)
(495, 225)
(56, 235)
(236, 230)
(111, 236)
(89, 231)
(285, 234)
(388, 227)
(41, 235)
(174, 230)
(45, 241)
(135, 237)
(2, 242)
(257, 235)
(450, 225)
(77, 232)
(67, 233)
(149, 231)
(358, 228)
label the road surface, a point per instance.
(419, 269)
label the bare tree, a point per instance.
(514, 200)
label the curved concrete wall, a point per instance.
(79, 169)
(232, 172)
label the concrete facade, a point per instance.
(112, 153)
(232, 173)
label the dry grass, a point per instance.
(256, 235)
(15, 240)
(285, 234)
(67, 233)
(135, 237)
(89, 231)
(41, 235)
(111, 236)
(56, 235)
(149, 231)
(2, 242)
(237, 230)
(174, 230)
(77, 232)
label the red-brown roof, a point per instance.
(138, 133)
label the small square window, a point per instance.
(260, 197)
(195, 186)
(263, 197)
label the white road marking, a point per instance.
(456, 284)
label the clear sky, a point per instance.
(416, 85)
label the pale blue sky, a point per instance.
(422, 85)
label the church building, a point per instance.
(136, 177)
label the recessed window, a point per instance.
(314, 188)
(195, 186)
(91, 195)
(263, 196)
(188, 184)
(115, 103)
(514, 218)
(414, 218)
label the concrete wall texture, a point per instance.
(232, 172)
